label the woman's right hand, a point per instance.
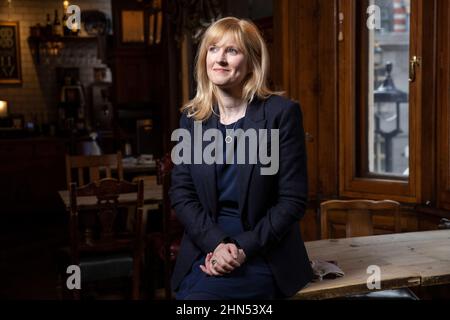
(206, 268)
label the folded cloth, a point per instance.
(444, 223)
(146, 159)
(325, 270)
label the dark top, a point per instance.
(229, 218)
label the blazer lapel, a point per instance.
(254, 120)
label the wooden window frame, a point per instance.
(419, 187)
(443, 74)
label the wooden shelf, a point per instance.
(35, 42)
(62, 39)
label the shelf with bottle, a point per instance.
(55, 38)
(58, 29)
(52, 36)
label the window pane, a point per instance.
(388, 90)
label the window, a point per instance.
(386, 63)
(385, 95)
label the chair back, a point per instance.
(171, 225)
(102, 229)
(92, 168)
(164, 167)
(150, 183)
(172, 228)
(358, 218)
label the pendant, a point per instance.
(228, 139)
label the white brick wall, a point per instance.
(38, 93)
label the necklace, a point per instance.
(228, 138)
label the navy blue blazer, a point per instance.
(270, 205)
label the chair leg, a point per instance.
(167, 288)
(76, 294)
(154, 274)
(64, 293)
(136, 280)
(135, 289)
(168, 292)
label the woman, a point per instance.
(242, 238)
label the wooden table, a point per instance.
(405, 260)
(135, 168)
(153, 194)
(146, 168)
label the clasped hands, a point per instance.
(225, 258)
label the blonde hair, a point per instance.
(250, 41)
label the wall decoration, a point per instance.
(10, 67)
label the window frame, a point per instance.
(418, 187)
(443, 73)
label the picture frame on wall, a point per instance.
(10, 64)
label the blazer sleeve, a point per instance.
(199, 226)
(292, 187)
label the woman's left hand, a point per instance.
(209, 268)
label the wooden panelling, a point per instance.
(279, 67)
(327, 131)
(304, 84)
(306, 69)
(305, 37)
(309, 226)
(132, 76)
(427, 27)
(443, 103)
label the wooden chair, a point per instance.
(359, 218)
(166, 244)
(149, 182)
(101, 243)
(93, 168)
